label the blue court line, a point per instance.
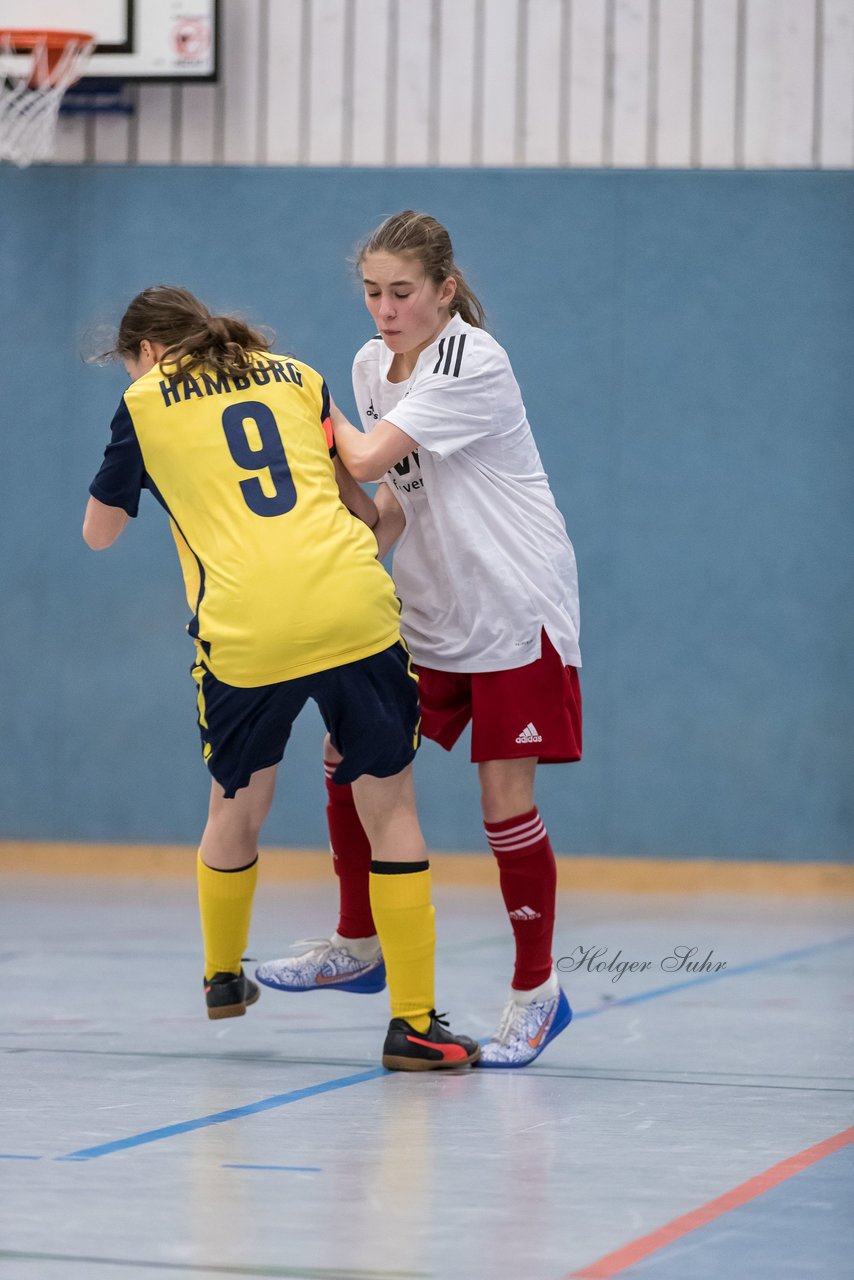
(220, 1117)
(282, 1099)
(7, 1157)
(284, 1168)
(751, 967)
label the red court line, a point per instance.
(621, 1259)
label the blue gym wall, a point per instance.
(684, 345)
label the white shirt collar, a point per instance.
(456, 324)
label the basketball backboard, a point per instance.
(136, 39)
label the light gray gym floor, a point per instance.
(140, 1139)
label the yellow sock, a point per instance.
(225, 907)
(405, 921)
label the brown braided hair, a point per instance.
(191, 335)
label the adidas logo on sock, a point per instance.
(524, 913)
(529, 734)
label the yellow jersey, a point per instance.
(282, 580)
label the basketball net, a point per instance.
(36, 67)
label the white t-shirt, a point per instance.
(484, 562)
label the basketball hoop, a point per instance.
(36, 67)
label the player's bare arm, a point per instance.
(392, 520)
(369, 456)
(354, 497)
(102, 524)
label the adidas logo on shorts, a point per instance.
(524, 913)
(529, 734)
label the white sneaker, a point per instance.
(325, 964)
(525, 1029)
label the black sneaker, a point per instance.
(228, 994)
(406, 1049)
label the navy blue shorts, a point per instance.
(370, 708)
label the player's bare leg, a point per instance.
(227, 874)
(230, 838)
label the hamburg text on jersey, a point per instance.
(281, 579)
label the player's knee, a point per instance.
(506, 789)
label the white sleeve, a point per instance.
(363, 368)
(452, 403)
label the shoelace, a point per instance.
(305, 945)
(512, 1010)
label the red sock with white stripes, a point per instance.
(528, 875)
(351, 858)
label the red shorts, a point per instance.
(529, 711)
